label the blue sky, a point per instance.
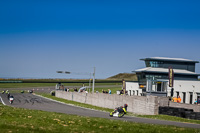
(39, 37)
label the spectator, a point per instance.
(179, 99)
(121, 92)
(62, 87)
(198, 101)
(195, 101)
(103, 91)
(67, 89)
(75, 90)
(109, 91)
(174, 99)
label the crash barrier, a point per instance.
(136, 104)
(180, 112)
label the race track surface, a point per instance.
(31, 101)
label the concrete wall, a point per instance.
(136, 104)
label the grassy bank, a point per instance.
(170, 118)
(24, 121)
(160, 117)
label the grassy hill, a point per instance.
(125, 76)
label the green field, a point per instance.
(24, 85)
(24, 121)
(4, 86)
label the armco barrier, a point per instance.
(136, 104)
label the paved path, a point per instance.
(30, 101)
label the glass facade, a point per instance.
(174, 65)
(154, 63)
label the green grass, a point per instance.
(170, 118)
(25, 121)
(3, 86)
(24, 85)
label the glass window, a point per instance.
(155, 63)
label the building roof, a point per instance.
(165, 70)
(170, 59)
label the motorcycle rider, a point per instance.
(3, 92)
(121, 109)
(7, 91)
(125, 108)
(11, 97)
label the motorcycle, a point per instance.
(116, 113)
(11, 99)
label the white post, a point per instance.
(93, 81)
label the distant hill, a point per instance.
(125, 76)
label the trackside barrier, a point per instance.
(136, 104)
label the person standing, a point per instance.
(198, 101)
(109, 91)
(175, 99)
(179, 99)
(195, 101)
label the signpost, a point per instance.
(171, 77)
(124, 86)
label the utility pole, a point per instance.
(93, 81)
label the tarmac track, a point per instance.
(31, 101)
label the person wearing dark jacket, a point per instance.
(198, 101)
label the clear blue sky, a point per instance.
(39, 37)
